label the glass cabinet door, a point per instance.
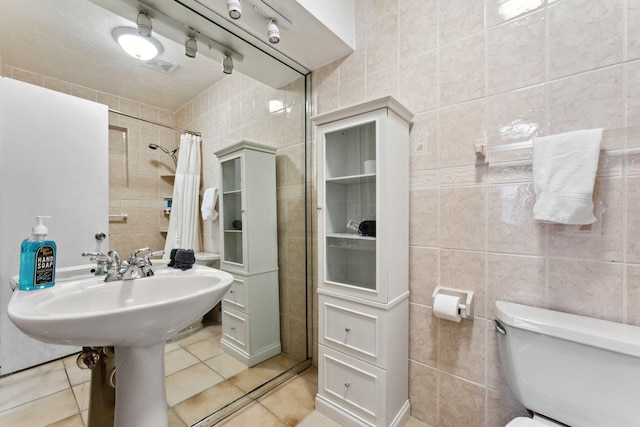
(232, 210)
(350, 206)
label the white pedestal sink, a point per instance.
(136, 317)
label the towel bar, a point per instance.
(483, 150)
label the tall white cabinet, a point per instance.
(249, 240)
(363, 263)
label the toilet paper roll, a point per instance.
(447, 307)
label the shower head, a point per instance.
(171, 153)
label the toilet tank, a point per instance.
(581, 371)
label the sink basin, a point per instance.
(135, 316)
(90, 312)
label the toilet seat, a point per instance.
(531, 422)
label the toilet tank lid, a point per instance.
(604, 334)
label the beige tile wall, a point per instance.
(504, 70)
(239, 108)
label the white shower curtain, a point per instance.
(184, 223)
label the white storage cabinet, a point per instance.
(248, 227)
(363, 288)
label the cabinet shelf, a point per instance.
(353, 179)
(349, 236)
(356, 285)
(352, 242)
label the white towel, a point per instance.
(209, 205)
(564, 173)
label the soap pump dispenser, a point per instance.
(37, 259)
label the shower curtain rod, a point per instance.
(154, 123)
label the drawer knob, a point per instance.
(232, 292)
(347, 385)
(232, 328)
(347, 330)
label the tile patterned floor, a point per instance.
(199, 376)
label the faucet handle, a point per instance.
(133, 255)
(147, 259)
(95, 256)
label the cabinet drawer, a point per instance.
(355, 385)
(356, 329)
(235, 326)
(236, 296)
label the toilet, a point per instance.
(206, 259)
(212, 260)
(569, 370)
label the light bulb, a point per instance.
(273, 32)
(235, 9)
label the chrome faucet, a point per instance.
(135, 265)
(134, 268)
(133, 256)
(114, 272)
(146, 268)
(102, 262)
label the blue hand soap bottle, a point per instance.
(37, 259)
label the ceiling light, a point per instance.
(190, 47)
(235, 8)
(227, 64)
(143, 48)
(273, 31)
(144, 24)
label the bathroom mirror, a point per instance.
(67, 46)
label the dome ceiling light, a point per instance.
(140, 47)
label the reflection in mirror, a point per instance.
(203, 382)
(118, 158)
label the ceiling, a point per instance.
(71, 40)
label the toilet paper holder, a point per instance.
(466, 297)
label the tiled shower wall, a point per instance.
(500, 71)
(239, 108)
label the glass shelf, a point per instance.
(354, 179)
(346, 235)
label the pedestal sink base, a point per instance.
(141, 398)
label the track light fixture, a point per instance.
(144, 24)
(235, 9)
(273, 31)
(227, 64)
(190, 47)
